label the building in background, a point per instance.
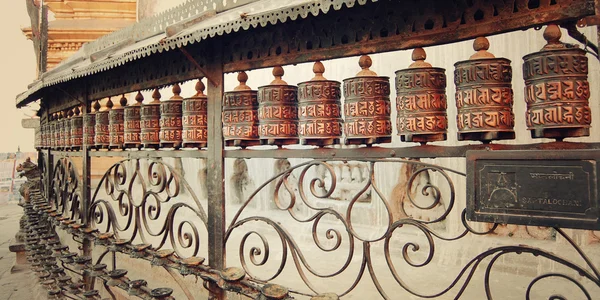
(10, 181)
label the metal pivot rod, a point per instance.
(215, 170)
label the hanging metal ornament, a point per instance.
(132, 119)
(240, 116)
(484, 96)
(116, 124)
(557, 91)
(76, 129)
(195, 119)
(421, 101)
(367, 107)
(89, 132)
(319, 110)
(102, 137)
(150, 122)
(278, 111)
(170, 120)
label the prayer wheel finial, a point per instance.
(200, 88)
(123, 101)
(109, 104)
(156, 96)
(176, 92)
(318, 69)
(481, 45)
(242, 78)
(70, 112)
(76, 110)
(419, 56)
(552, 35)
(96, 106)
(365, 63)
(139, 98)
(278, 73)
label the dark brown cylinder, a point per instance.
(150, 122)
(557, 90)
(89, 124)
(76, 129)
(170, 120)
(67, 129)
(278, 112)
(195, 119)
(484, 96)
(60, 127)
(132, 123)
(102, 137)
(319, 110)
(421, 101)
(240, 115)
(116, 124)
(367, 107)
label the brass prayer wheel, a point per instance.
(240, 115)
(421, 101)
(195, 119)
(170, 120)
(102, 137)
(132, 127)
(319, 110)
(367, 107)
(89, 124)
(278, 111)
(67, 129)
(484, 96)
(150, 122)
(556, 89)
(76, 129)
(116, 124)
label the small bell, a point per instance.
(557, 91)
(367, 107)
(170, 120)
(484, 96)
(319, 110)
(278, 111)
(240, 116)
(150, 122)
(132, 127)
(195, 119)
(421, 101)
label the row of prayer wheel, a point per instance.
(556, 93)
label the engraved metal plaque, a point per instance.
(557, 188)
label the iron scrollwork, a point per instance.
(133, 200)
(358, 255)
(65, 190)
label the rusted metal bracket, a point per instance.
(197, 65)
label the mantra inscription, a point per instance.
(76, 131)
(195, 119)
(421, 104)
(319, 112)
(150, 125)
(557, 93)
(116, 127)
(240, 118)
(66, 133)
(131, 125)
(544, 192)
(89, 124)
(367, 110)
(278, 114)
(102, 137)
(484, 99)
(170, 123)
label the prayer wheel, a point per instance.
(60, 127)
(319, 110)
(43, 132)
(102, 136)
(195, 119)
(367, 107)
(421, 101)
(240, 115)
(132, 127)
(484, 96)
(170, 120)
(116, 124)
(67, 129)
(556, 89)
(52, 131)
(150, 122)
(278, 111)
(76, 129)
(89, 124)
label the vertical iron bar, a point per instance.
(85, 193)
(49, 170)
(215, 172)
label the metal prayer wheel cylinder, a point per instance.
(76, 129)
(240, 115)
(367, 107)
(116, 124)
(101, 133)
(319, 110)
(556, 89)
(89, 124)
(43, 131)
(67, 129)
(278, 112)
(50, 131)
(60, 133)
(195, 119)
(421, 101)
(132, 127)
(56, 134)
(484, 96)
(150, 122)
(170, 120)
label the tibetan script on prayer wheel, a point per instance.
(67, 129)
(102, 138)
(194, 119)
(150, 122)
(278, 111)
(116, 124)
(421, 101)
(52, 131)
(240, 115)
(319, 110)
(367, 107)
(484, 96)
(60, 130)
(170, 120)
(556, 89)
(89, 124)
(132, 128)
(76, 129)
